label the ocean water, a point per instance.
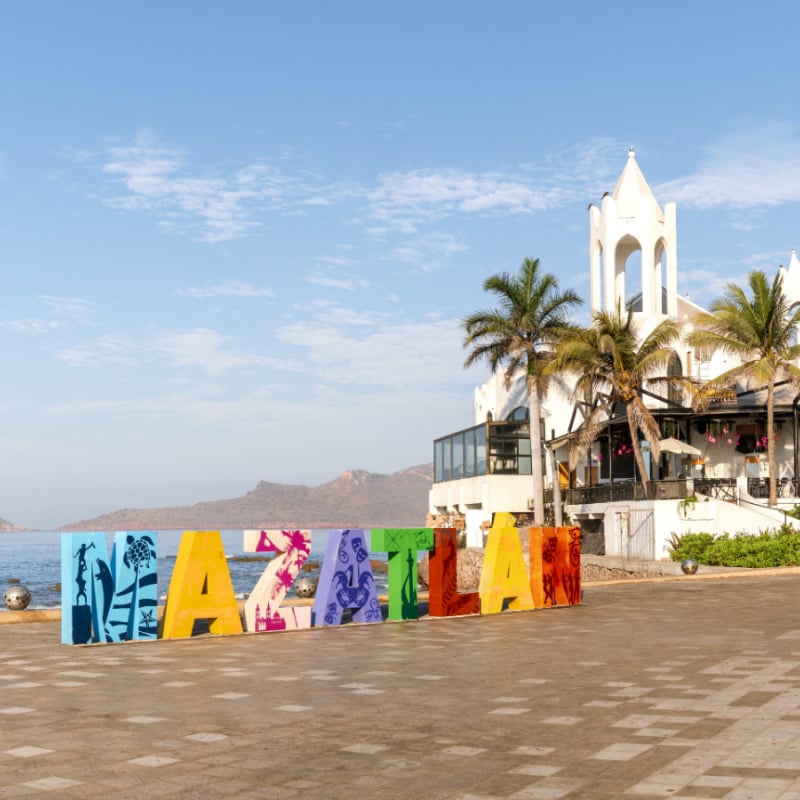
(34, 559)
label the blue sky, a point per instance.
(236, 240)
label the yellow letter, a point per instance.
(200, 588)
(504, 574)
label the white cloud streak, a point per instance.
(746, 171)
(206, 350)
(102, 351)
(404, 201)
(403, 354)
(320, 278)
(754, 169)
(429, 252)
(72, 307)
(227, 289)
(31, 327)
(214, 208)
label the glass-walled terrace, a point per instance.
(493, 448)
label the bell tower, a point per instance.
(628, 220)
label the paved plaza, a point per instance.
(681, 688)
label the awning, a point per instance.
(672, 445)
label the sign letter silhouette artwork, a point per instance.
(108, 600)
(346, 581)
(403, 546)
(444, 599)
(555, 555)
(263, 610)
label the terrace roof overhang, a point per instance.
(745, 404)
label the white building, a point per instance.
(486, 468)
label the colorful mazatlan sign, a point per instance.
(113, 600)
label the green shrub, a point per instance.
(691, 545)
(779, 549)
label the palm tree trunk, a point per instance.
(773, 494)
(557, 515)
(534, 425)
(637, 449)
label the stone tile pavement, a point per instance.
(685, 689)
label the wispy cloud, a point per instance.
(333, 271)
(211, 206)
(334, 314)
(767, 262)
(63, 312)
(227, 289)
(205, 349)
(199, 348)
(401, 354)
(429, 252)
(102, 351)
(399, 126)
(215, 205)
(406, 200)
(710, 280)
(756, 168)
(71, 307)
(325, 278)
(31, 327)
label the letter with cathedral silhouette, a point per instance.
(504, 575)
(444, 599)
(109, 600)
(346, 581)
(403, 546)
(555, 566)
(262, 610)
(200, 588)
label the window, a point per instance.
(458, 456)
(469, 453)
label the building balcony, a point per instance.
(668, 489)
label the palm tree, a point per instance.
(608, 357)
(761, 330)
(520, 335)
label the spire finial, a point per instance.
(631, 151)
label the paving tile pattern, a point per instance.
(686, 690)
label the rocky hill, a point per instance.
(8, 527)
(353, 499)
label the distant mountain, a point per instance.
(7, 527)
(356, 499)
